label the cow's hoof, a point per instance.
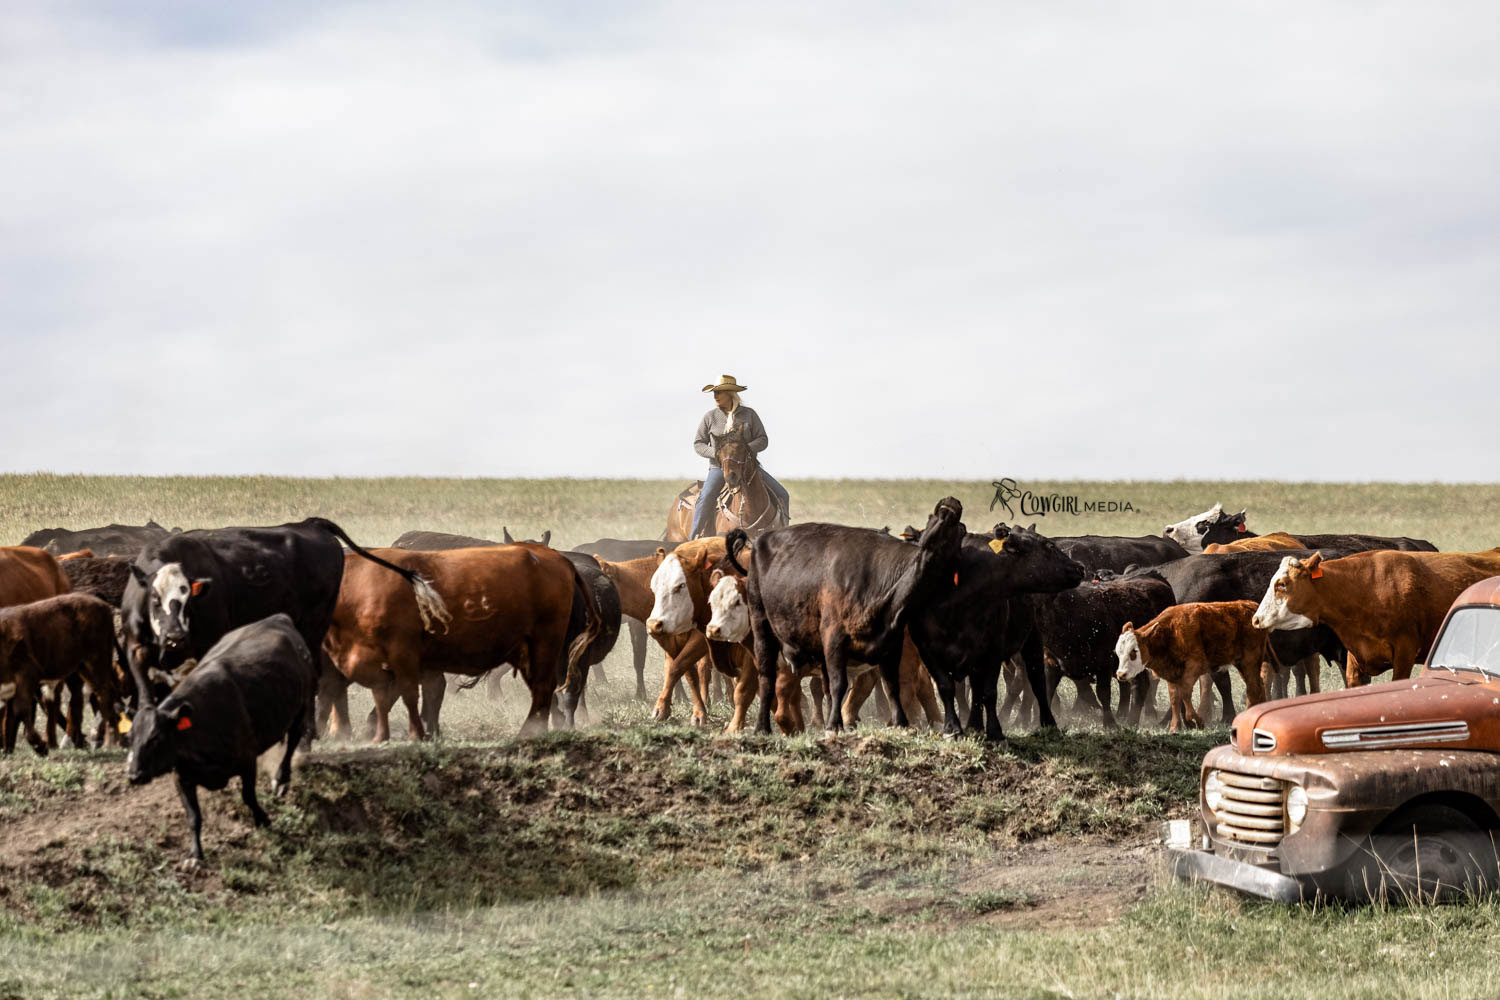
(661, 714)
(191, 864)
(279, 788)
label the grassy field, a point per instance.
(636, 858)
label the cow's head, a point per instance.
(1213, 525)
(1291, 600)
(1034, 561)
(1222, 529)
(944, 534)
(156, 732)
(729, 619)
(546, 538)
(168, 592)
(672, 609)
(1129, 662)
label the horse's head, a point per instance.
(736, 459)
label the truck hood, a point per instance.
(1458, 711)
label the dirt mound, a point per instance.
(420, 827)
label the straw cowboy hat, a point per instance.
(726, 384)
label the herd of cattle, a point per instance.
(210, 647)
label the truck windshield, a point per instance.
(1470, 642)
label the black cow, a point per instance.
(972, 626)
(828, 594)
(1078, 629)
(187, 590)
(1095, 552)
(251, 690)
(111, 540)
(623, 550)
(438, 541)
(1361, 543)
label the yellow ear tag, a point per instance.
(997, 545)
(123, 725)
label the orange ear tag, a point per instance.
(997, 544)
(197, 587)
(1317, 573)
(955, 579)
(184, 723)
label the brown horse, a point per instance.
(746, 502)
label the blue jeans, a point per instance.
(713, 485)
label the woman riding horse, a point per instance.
(727, 417)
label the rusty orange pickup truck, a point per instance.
(1389, 790)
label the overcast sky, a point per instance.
(1042, 239)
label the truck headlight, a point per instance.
(1213, 791)
(1296, 806)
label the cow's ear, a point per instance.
(547, 537)
(661, 553)
(1128, 627)
(1312, 562)
(715, 577)
(505, 533)
(1033, 526)
(140, 575)
(201, 585)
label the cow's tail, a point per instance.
(429, 603)
(574, 674)
(734, 544)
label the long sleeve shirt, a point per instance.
(711, 428)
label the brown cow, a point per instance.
(510, 604)
(675, 616)
(1256, 543)
(1384, 606)
(43, 645)
(29, 574)
(1189, 641)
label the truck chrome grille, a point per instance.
(1409, 734)
(1252, 810)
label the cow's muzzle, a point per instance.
(654, 626)
(713, 631)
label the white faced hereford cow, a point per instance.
(1385, 606)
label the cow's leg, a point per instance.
(638, 656)
(788, 711)
(1226, 694)
(1014, 691)
(922, 682)
(333, 704)
(944, 681)
(247, 793)
(1036, 678)
(74, 686)
(1250, 670)
(744, 690)
(836, 673)
(1102, 690)
(683, 665)
(899, 682)
(384, 694)
(860, 686)
(283, 780)
(984, 688)
(188, 792)
(963, 703)
(1353, 675)
(434, 690)
(1177, 698)
(26, 709)
(882, 700)
(767, 652)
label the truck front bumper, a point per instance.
(1254, 880)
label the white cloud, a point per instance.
(1031, 240)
